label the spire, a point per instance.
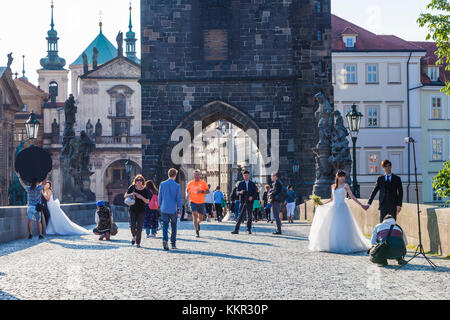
(23, 68)
(100, 24)
(52, 61)
(131, 40)
(52, 24)
(130, 26)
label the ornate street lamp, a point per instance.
(32, 126)
(354, 122)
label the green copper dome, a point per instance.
(106, 51)
(52, 61)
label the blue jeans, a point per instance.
(173, 218)
(236, 209)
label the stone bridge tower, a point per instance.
(260, 61)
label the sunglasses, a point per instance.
(139, 180)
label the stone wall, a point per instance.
(435, 223)
(13, 220)
(263, 69)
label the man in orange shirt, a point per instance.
(195, 192)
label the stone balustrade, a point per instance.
(13, 220)
(435, 223)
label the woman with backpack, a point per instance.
(151, 210)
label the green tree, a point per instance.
(441, 183)
(438, 24)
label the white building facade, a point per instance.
(381, 75)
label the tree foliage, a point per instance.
(438, 24)
(441, 183)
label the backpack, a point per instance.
(154, 203)
(282, 196)
(388, 248)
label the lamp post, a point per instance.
(354, 122)
(32, 126)
(128, 168)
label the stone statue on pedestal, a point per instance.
(98, 129)
(85, 63)
(55, 128)
(89, 129)
(17, 194)
(325, 127)
(119, 40)
(95, 59)
(340, 152)
(75, 160)
(10, 61)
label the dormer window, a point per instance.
(349, 41)
(433, 73)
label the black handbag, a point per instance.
(380, 252)
(39, 207)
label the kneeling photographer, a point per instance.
(389, 242)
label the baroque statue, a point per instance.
(75, 160)
(119, 40)
(322, 151)
(340, 152)
(95, 58)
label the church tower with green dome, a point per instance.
(131, 42)
(53, 78)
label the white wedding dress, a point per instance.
(334, 228)
(59, 223)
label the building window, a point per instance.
(20, 135)
(394, 116)
(373, 159)
(121, 106)
(436, 197)
(433, 73)
(372, 73)
(437, 144)
(321, 67)
(318, 5)
(319, 35)
(350, 42)
(436, 108)
(372, 117)
(350, 73)
(53, 89)
(394, 73)
(121, 128)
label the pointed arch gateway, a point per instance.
(208, 114)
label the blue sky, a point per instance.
(24, 24)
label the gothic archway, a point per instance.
(210, 115)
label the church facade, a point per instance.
(255, 64)
(108, 99)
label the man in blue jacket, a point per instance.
(170, 204)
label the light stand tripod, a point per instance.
(419, 250)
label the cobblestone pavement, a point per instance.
(216, 266)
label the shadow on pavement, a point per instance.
(203, 253)
(243, 242)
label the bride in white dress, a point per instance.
(334, 228)
(59, 224)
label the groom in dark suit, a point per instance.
(247, 191)
(391, 192)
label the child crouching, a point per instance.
(104, 221)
